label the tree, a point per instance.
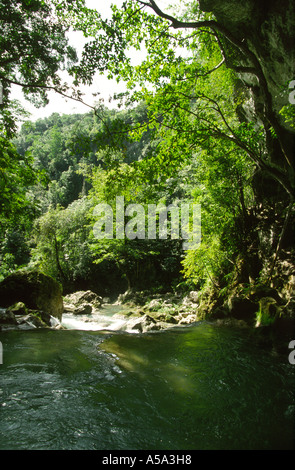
(207, 83)
(61, 242)
(143, 24)
(34, 50)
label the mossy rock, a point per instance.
(18, 309)
(164, 317)
(268, 312)
(35, 289)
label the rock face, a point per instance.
(36, 290)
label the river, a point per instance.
(195, 387)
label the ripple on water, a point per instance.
(189, 388)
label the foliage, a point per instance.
(182, 135)
(34, 48)
(60, 237)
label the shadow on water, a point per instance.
(197, 387)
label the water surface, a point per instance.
(196, 387)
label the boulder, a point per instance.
(7, 317)
(191, 300)
(188, 320)
(241, 308)
(45, 318)
(80, 298)
(194, 296)
(83, 309)
(142, 324)
(31, 320)
(35, 289)
(269, 311)
(165, 317)
(19, 309)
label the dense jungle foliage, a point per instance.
(188, 129)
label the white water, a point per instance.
(105, 318)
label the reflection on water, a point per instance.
(199, 387)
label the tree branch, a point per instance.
(255, 68)
(45, 87)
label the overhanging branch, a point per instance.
(255, 68)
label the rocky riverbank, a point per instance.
(138, 311)
(150, 312)
(19, 317)
(263, 310)
(141, 311)
(30, 299)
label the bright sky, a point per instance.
(101, 84)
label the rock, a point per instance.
(268, 312)
(79, 298)
(19, 309)
(242, 308)
(194, 296)
(191, 300)
(7, 317)
(232, 322)
(83, 309)
(31, 320)
(43, 316)
(35, 289)
(82, 302)
(268, 32)
(68, 308)
(165, 317)
(154, 304)
(189, 319)
(142, 324)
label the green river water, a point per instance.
(196, 387)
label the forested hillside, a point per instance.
(207, 119)
(82, 160)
